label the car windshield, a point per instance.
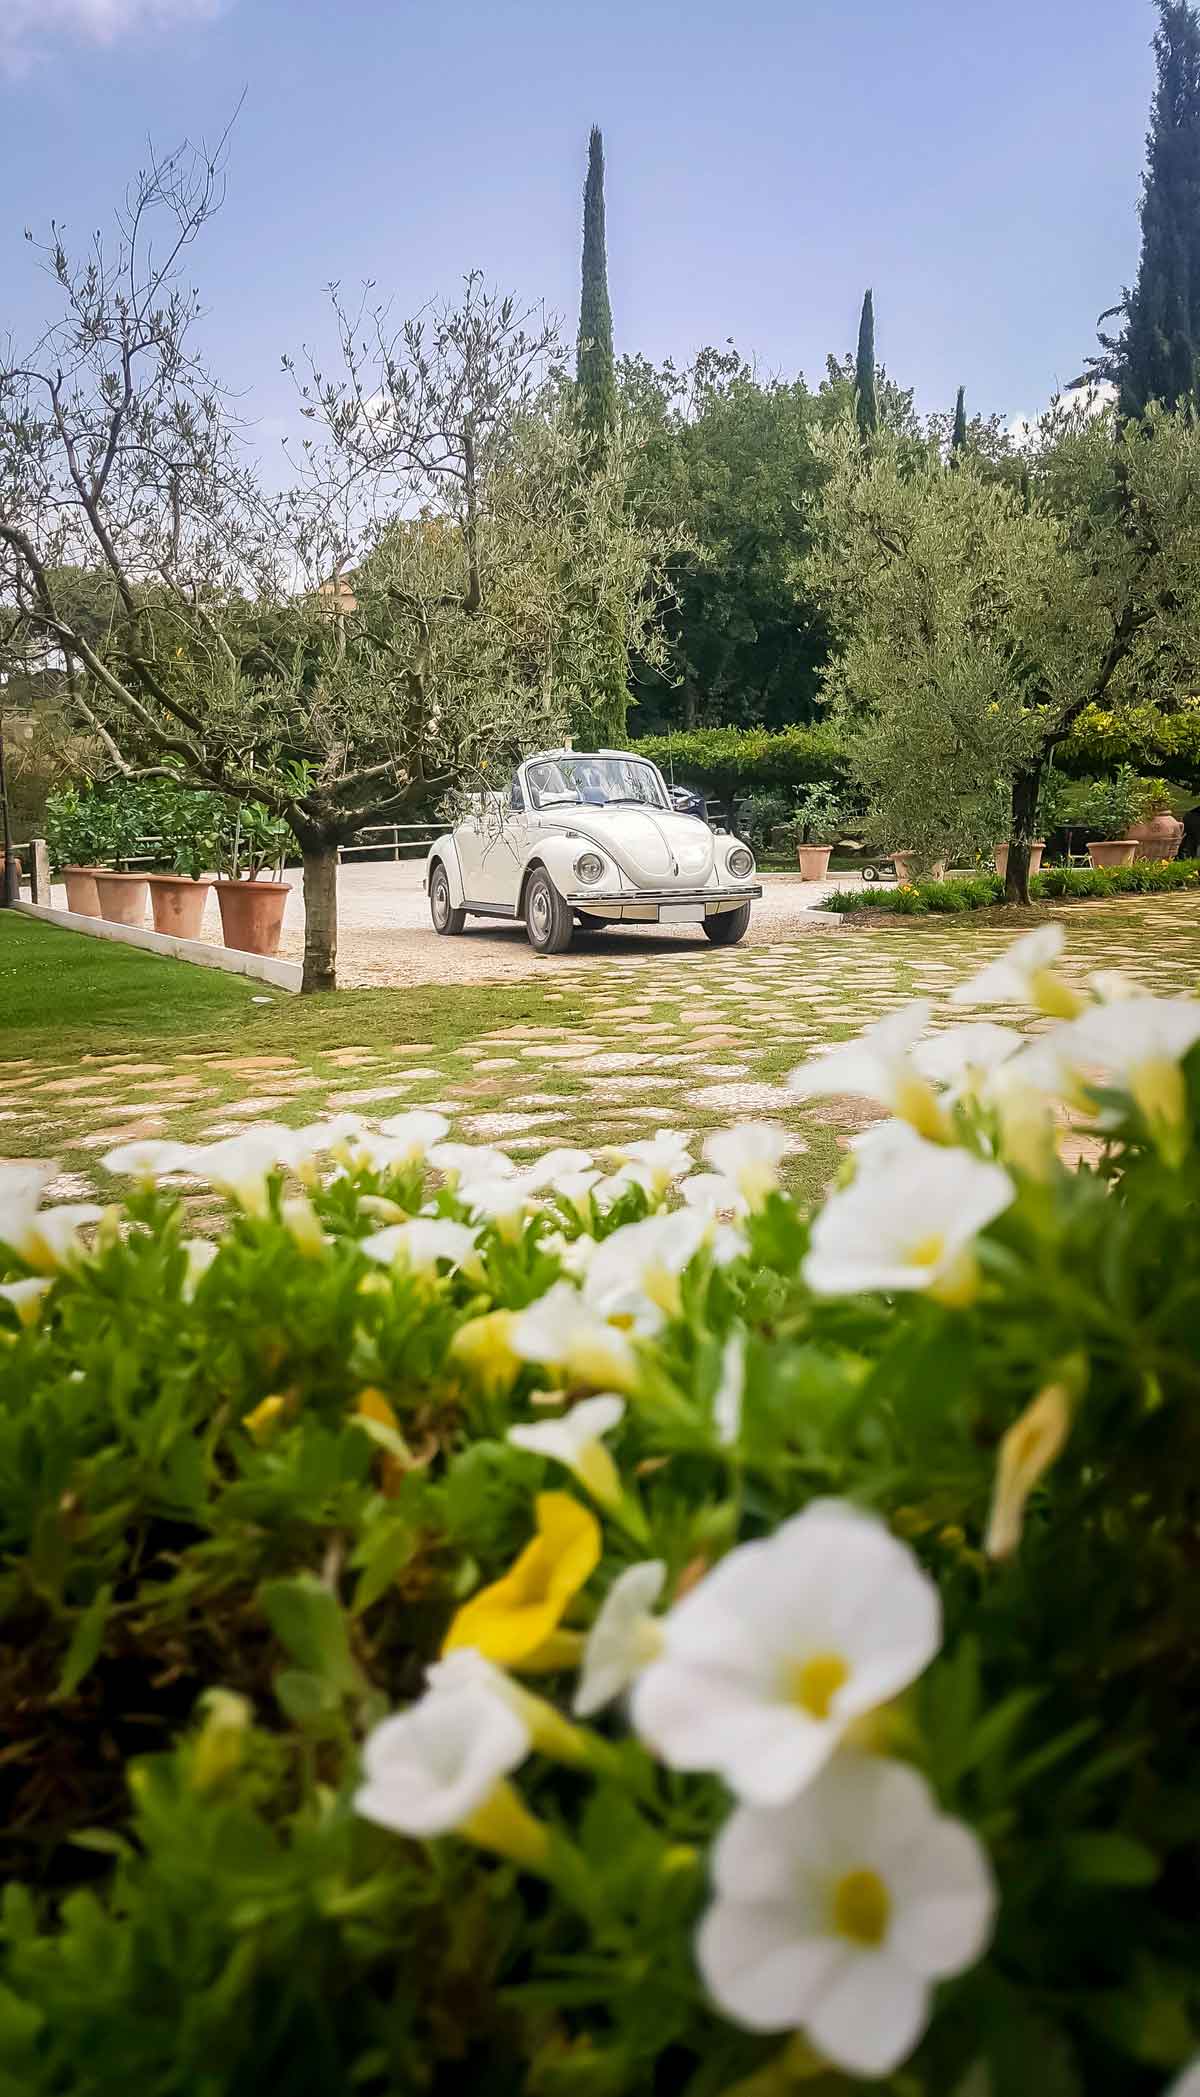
(594, 782)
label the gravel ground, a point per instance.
(386, 936)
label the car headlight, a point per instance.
(589, 867)
(740, 862)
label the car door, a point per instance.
(502, 838)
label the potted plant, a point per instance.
(252, 907)
(187, 824)
(1047, 815)
(1158, 831)
(820, 820)
(117, 819)
(70, 837)
(1105, 809)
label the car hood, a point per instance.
(654, 847)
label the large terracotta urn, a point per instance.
(814, 861)
(1159, 837)
(122, 896)
(1035, 858)
(902, 861)
(252, 914)
(178, 904)
(1112, 851)
(80, 884)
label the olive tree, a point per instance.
(438, 582)
(976, 619)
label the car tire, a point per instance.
(728, 927)
(446, 919)
(548, 920)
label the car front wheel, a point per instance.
(548, 920)
(726, 929)
(446, 919)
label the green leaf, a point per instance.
(86, 1641)
(304, 1697)
(1100, 1859)
(308, 1622)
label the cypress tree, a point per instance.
(1157, 354)
(959, 436)
(866, 406)
(594, 369)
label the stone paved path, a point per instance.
(678, 1039)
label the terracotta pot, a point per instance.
(252, 914)
(122, 896)
(1159, 837)
(1112, 851)
(178, 904)
(81, 890)
(902, 861)
(1035, 858)
(814, 861)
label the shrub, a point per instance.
(730, 762)
(939, 898)
(249, 1491)
(759, 814)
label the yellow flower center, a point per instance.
(862, 1907)
(1054, 997)
(927, 1251)
(917, 1103)
(816, 1682)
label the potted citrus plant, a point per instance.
(117, 815)
(251, 899)
(1158, 831)
(187, 823)
(71, 838)
(820, 819)
(1106, 809)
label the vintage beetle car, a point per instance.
(588, 838)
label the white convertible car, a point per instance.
(588, 838)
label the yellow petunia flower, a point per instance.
(484, 1348)
(515, 1621)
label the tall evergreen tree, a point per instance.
(594, 368)
(1156, 356)
(958, 437)
(866, 406)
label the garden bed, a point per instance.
(986, 891)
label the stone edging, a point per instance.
(284, 975)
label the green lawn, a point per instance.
(100, 1043)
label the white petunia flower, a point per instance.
(26, 1296)
(1138, 1042)
(429, 1769)
(727, 1398)
(200, 1254)
(879, 1066)
(783, 1646)
(240, 1165)
(505, 1203)
(421, 1243)
(470, 1161)
(1025, 975)
(561, 1331)
(964, 1056)
(575, 1440)
(907, 1221)
(653, 1163)
(634, 1274)
(148, 1160)
(1187, 2084)
(575, 1188)
(837, 1913)
(413, 1135)
(44, 1238)
(557, 1165)
(749, 1156)
(624, 1639)
(711, 1194)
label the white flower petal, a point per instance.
(148, 1160)
(421, 1243)
(873, 1066)
(912, 1209)
(727, 1398)
(1010, 980)
(623, 1638)
(415, 1133)
(428, 1769)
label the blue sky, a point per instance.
(977, 165)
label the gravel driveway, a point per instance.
(386, 937)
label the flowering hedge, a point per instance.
(980, 891)
(593, 1628)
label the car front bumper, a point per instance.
(651, 906)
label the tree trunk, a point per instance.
(320, 917)
(1025, 789)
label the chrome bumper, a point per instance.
(645, 903)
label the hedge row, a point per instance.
(732, 761)
(979, 891)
